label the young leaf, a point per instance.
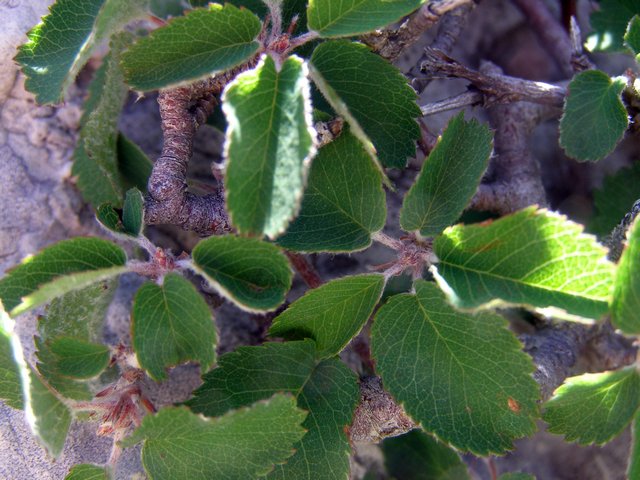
(594, 407)
(10, 387)
(172, 324)
(594, 118)
(611, 202)
(461, 376)
(108, 217)
(96, 157)
(134, 166)
(531, 257)
(330, 396)
(353, 17)
(626, 293)
(244, 443)
(253, 274)
(79, 359)
(633, 471)
(372, 95)
(269, 145)
(331, 314)
(255, 373)
(344, 202)
(133, 212)
(418, 456)
(65, 39)
(448, 179)
(85, 471)
(169, 55)
(609, 23)
(52, 271)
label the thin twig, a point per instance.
(459, 101)
(305, 269)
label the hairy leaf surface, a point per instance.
(448, 179)
(372, 95)
(134, 166)
(344, 202)
(626, 294)
(594, 118)
(253, 274)
(331, 314)
(242, 444)
(87, 259)
(531, 257)
(346, 18)
(77, 358)
(461, 376)
(594, 407)
(269, 145)
(201, 43)
(172, 324)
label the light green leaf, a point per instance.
(253, 274)
(332, 314)
(96, 154)
(172, 324)
(352, 17)
(330, 396)
(372, 95)
(418, 456)
(65, 39)
(269, 145)
(86, 471)
(203, 42)
(134, 166)
(461, 376)
(594, 118)
(611, 202)
(133, 212)
(87, 259)
(255, 373)
(79, 359)
(10, 386)
(448, 179)
(48, 417)
(532, 257)
(243, 444)
(633, 470)
(609, 23)
(626, 293)
(344, 202)
(594, 407)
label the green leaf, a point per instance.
(52, 271)
(344, 202)
(372, 95)
(632, 35)
(47, 367)
(254, 373)
(594, 118)
(86, 471)
(626, 293)
(96, 154)
(633, 470)
(203, 42)
(10, 386)
(253, 274)
(330, 396)
(242, 444)
(461, 376)
(332, 314)
(48, 417)
(532, 257)
(516, 476)
(594, 407)
(109, 218)
(269, 145)
(353, 17)
(418, 456)
(448, 179)
(609, 23)
(65, 40)
(172, 324)
(134, 166)
(79, 359)
(133, 212)
(611, 202)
